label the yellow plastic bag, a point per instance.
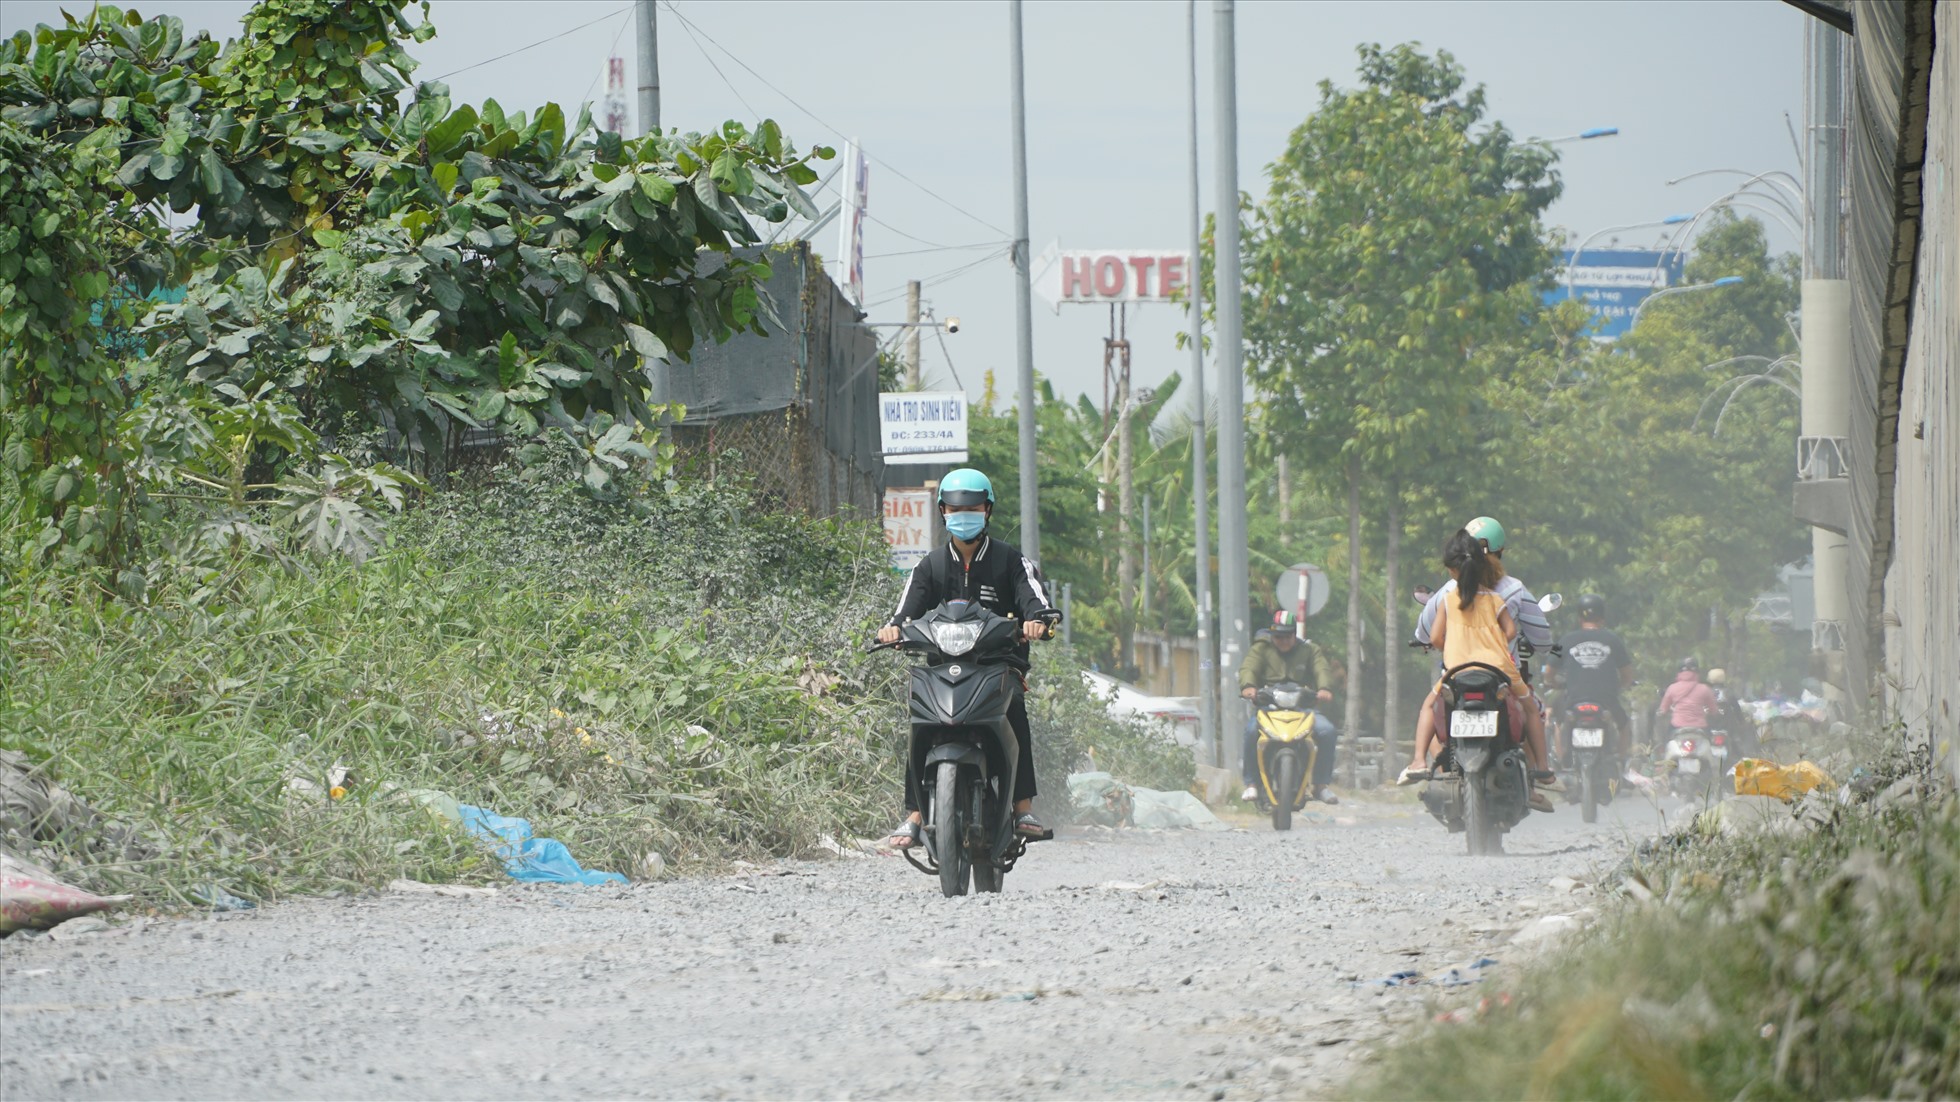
(1761, 777)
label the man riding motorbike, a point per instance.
(1279, 654)
(1532, 628)
(976, 567)
(1595, 667)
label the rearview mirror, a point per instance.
(1550, 602)
(1422, 594)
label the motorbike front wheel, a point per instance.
(1288, 784)
(949, 832)
(986, 878)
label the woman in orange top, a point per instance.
(1479, 629)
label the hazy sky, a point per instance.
(1692, 86)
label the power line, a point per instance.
(705, 56)
(534, 45)
(938, 249)
(942, 277)
(610, 50)
(894, 169)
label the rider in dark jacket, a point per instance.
(976, 567)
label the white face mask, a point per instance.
(965, 526)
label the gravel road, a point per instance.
(1116, 965)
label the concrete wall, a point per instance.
(1922, 615)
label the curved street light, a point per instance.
(1581, 136)
(1725, 281)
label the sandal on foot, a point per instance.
(1412, 775)
(906, 835)
(1538, 801)
(1546, 779)
(1029, 827)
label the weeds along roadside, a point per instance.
(684, 677)
(1818, 961)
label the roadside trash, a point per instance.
(1408, 977)
(218, 899)
(31, 898)
(652, 865)
(526, 857)
(1461, 975)
(1760, 777)
(417, 887)
(1102, 799)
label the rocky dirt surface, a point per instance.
(1116, 965)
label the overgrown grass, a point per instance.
(685, 677)
(1816, 963)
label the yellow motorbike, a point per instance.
(1286, 750)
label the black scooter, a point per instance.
(964, 757)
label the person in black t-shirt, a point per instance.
(1594, 666)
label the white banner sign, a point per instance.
(1103, 276)
(855, 186)
(908, 526)
(923, 427)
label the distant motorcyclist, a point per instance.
(976, 567)
(1595, 666)
(1688, 701)
(1279, 654)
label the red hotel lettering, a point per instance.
(1110, 276)
(1142, 265)
(1170, 276)
(1075, 277)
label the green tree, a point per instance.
(1399, 235)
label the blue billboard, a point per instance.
(1614, 282)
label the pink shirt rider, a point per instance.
(1688, 701)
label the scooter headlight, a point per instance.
(956, 638)
(1288, 699)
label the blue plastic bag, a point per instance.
(538, 860)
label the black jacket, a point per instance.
(1002, 579)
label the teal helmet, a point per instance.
(966, 486)
(1487, 531)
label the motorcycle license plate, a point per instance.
(1473, 725)
(1690, 765)
(1593, 737)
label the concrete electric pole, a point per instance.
(1823, 494)
(1200, 453)
(1023, 301)
(912, 335)
(1233, 567)
(647, 34)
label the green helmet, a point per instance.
(966, 486)
(1489, 531)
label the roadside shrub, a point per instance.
(1823, 962)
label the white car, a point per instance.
(1177, 714)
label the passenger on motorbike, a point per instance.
(1277, 655)
(1594, 666)
(976, 567)
(1532, 628)
(1688, 702)
(1476, 625)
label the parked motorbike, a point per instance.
(963, 750)
(1481, 781)
(1286, 750)
(1589, 727)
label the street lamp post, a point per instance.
(1725, 281)
(1581, 136)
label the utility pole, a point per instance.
(1200, 453)
(1023, 301)
(912, 334)
(1118, 349)
(647, 34)
(1823, 476)
(1233, 565)
(1145, 586)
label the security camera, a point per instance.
(952, 325)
